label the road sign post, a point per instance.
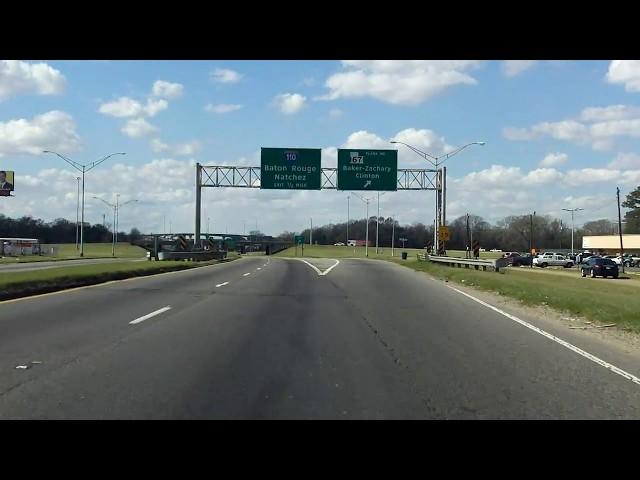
(290, 168)
(367, 169)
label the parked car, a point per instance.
(523, 261)
(598, 266)
(552, 259)
(617, 259)
(631, 260)
(510, 256)
(339, 244)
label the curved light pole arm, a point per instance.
(426, 155)
(76, 165)
(98, 162)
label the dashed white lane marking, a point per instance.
(318, 271)
(222, 284)
(564, 343)
(149, 315)
(245, 274)
(259, 268)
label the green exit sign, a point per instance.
(290, 168)
(360, 169)
(299, 239)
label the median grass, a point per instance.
(21, 284)
(596, 299)
(68, 251)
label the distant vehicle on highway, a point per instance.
(339, 244)
(552, 259)
(522, 261)
(495, 250)
(597, 266)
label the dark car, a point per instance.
(597, 266)
(520, 260)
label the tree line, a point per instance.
(515, 233)
(59, 230)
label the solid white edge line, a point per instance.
(222, 284)
(312, 266)
(564, 343)
(149, 315)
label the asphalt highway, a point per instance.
(276, 338)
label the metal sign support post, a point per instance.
(196, 243)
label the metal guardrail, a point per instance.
(194, 256)
(495, 264)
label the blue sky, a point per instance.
(559, 134)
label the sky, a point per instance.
(559, 134)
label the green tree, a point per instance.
(632, 202)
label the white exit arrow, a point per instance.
(367, 184)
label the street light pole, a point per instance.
(83, 168)
(115, 219)
(572, 210)
(365, 200)
(77, 213)
(393, 232)
(440, 191)
(348, 219)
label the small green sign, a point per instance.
(290, 168)
(299, 239)
(375, 170)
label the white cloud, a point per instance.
(599, 127)
(399, 82)
(631, 178)
(122, 107)
(335, 113)
(590, 175)
(182, 149)
(138, 127)
(127, 107)
(511, 68)
(222, 108)
(189, 148)
(18, 77)
(225, 75)
(611, 112)
(625, 72)
(543, 176)
(54, 130)
(167, 90)
(625, 160)
(553, 159)
(289, 103)
(158, 147)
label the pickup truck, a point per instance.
(552, 259)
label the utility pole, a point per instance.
(572, 223)
(620, 228)
(311, 233)
(208, 227)
(468, 250)
(104, 220)
(531, 236)
(393, 232)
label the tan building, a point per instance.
(611, 243)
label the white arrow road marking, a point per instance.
(152, 314)
(222, 284)
(318, 271)
(564, 343)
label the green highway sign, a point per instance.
(299, 239)
(290, 168)
(367, 169)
